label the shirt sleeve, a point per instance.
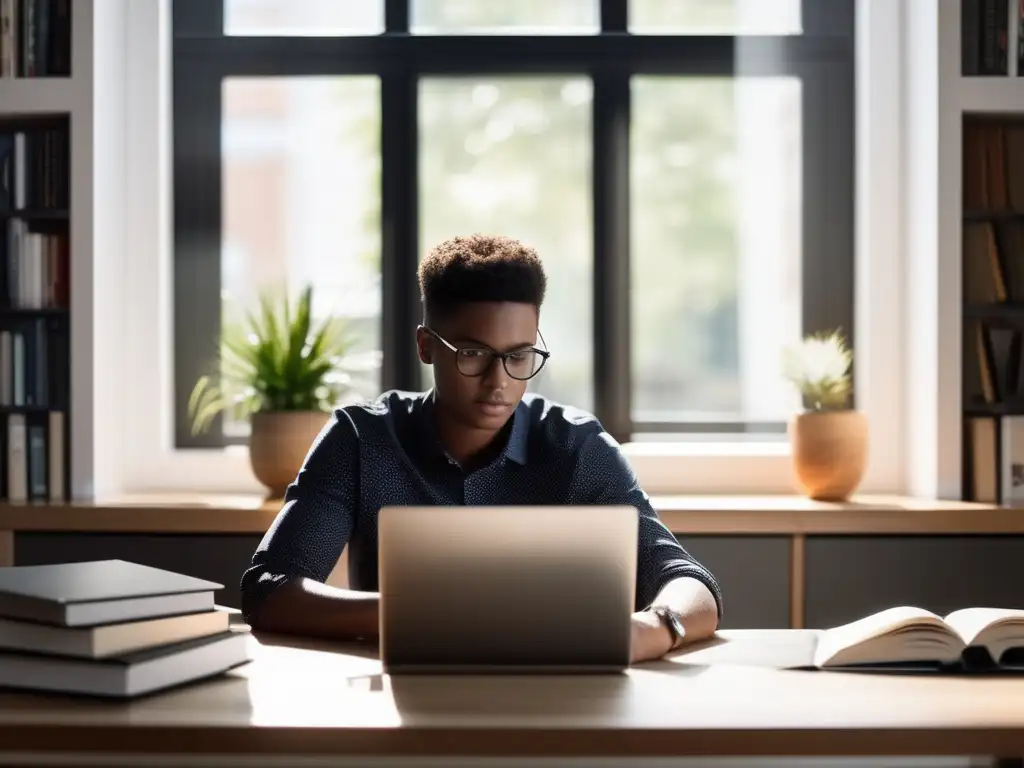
(316, 519)
(604, 476)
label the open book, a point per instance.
(907, 637)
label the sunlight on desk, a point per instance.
(311, 688)
(342, 687)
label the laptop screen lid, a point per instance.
(517, 587)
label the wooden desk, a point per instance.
(333, 702)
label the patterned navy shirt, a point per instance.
(388, 453)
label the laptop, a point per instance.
(520, 589)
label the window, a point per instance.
(715, 223)
(685, 169)
(474, 134)
(304, 18)
(709, 17)
(522, 17)
(300, 168)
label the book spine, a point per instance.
(8, 39)
(970, 37)
(1020, 38)
(55, 446)
(17, 458)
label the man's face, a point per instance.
(484, 401)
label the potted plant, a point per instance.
(281, 370)
(828, 439)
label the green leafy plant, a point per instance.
(819, 367)
(274, 359)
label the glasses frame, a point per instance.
(495, 355)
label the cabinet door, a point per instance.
(753, 572)
(851, 576)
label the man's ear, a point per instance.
(424, 346)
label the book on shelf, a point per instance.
(994, 459)
(993, 296)
(112, 628)
(911, 638)
(993, 165)
(34, 161)
(34, 303)
(34, 184)
(35, 38)
(987, 28)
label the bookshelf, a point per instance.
(37, 108)
(988, 103)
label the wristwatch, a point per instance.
(673, 621)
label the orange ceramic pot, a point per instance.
(279, 443)
(830, 451)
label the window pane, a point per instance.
(521, 17)
(301, 170)
(511, 156)
(708, 17)
(716, 247)
(314, 18)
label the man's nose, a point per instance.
(496, 375)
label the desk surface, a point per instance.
(324, 700)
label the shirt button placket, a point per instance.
(478, 486)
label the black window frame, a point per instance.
(202, 56)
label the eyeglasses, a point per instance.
(521, 364)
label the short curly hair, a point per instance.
(480, 268)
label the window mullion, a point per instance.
(400, 228)
(197, 18)
(611, 252)
(614, 15)
(396, 16)
(197, 226)
(828, 199)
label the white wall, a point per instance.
(932, 173)
(98, 186)
(886, 331)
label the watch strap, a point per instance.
(674, 622)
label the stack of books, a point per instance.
(111, 628)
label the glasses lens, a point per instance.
(473, 362)
(523, 365)
(518, 365)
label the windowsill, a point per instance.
(192, 512)
(712, 466)
(685, 467)
(728, 448)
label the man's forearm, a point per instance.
(697, 608)
(308, 607)
(695, 604)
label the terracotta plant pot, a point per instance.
(830, 450)
(279, 443)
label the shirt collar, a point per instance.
(515, 448)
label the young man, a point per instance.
(474, 439)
